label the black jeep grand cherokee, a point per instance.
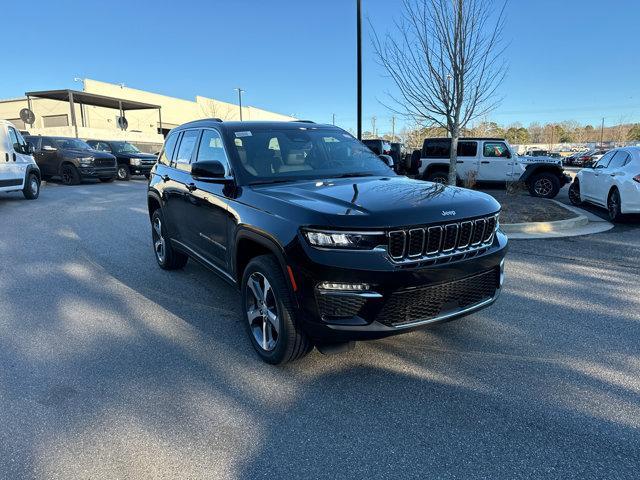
(326, 244)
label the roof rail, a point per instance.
(303, 121)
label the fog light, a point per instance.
(351, 287)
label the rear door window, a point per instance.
(620, 159)
(166, 156)
(467, 149)
(187, 146)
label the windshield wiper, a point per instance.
(352, 174)
(268, 182)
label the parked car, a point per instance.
(397, 153)
(382, 148)
(588, 158)
(131, 161)
(571, 159)
(491, 160)
(613, 182)
(326, 244)
(18, 169)
(71, 160)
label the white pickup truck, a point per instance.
(491, 160)
(18, 169)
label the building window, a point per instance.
(55, 121)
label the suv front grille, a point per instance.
(424, 303)
(443, 240)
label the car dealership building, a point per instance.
(97, 112)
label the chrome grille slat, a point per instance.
(451, 241)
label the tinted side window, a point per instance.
(13, 139)
(182, 160)
(166, 156)
(467, 149)
(619, 160)
(47, 142)
(211, 148)
(436, 149)
(495, 150)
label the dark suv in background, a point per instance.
(131, 161)
(71, 160)
(325, 242)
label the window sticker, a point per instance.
(243, 134)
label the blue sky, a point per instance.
(569, 59)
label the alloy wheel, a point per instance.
(122, 173)
(67, 175)
(158, 240)
(614, 205)
(262, 311)
(574, 194)
(543, 187)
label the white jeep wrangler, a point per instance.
(18, 169)
(491, 160)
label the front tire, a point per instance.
(269, 315)
(70, 175)
(614, 206)
(167, 257)
(574, 194)
(31, 189)
(544, 185)
(124, 174)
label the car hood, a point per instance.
(374, 202)
(143, 156)
(79, 153)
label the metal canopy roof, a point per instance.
(92, 99)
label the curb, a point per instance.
(578, 225)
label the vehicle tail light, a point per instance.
(637, 178)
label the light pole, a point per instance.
(359, 65)
(240, 92)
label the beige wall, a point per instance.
(101, 122)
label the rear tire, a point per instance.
(31, 189)
(124, 174)
(544, 185)
(269, 316)
(167, 257)
(614, 206)
(574, 194)
(70, 175)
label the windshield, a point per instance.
(282, 154)
(71, 143)
(124, 147)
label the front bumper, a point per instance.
(400, 298)
(97, 172)
(140, 169)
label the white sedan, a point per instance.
(613, 182)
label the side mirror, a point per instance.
(508, 154)
(388, 159)
(208, 170)
(28, 149)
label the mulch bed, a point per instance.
(520, 207)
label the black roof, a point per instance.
(262, 124)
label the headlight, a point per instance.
(135, 162)
(86, 161)
(348, 240)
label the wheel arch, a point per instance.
(153, 202)
(250, 244)
(533, 170)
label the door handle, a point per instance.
(191, 187)
(615, 174)
(6, 157)
(485, 161)
(15, 157)
(460, 161)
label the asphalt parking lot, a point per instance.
(113, 368)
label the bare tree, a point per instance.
(446, 62)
